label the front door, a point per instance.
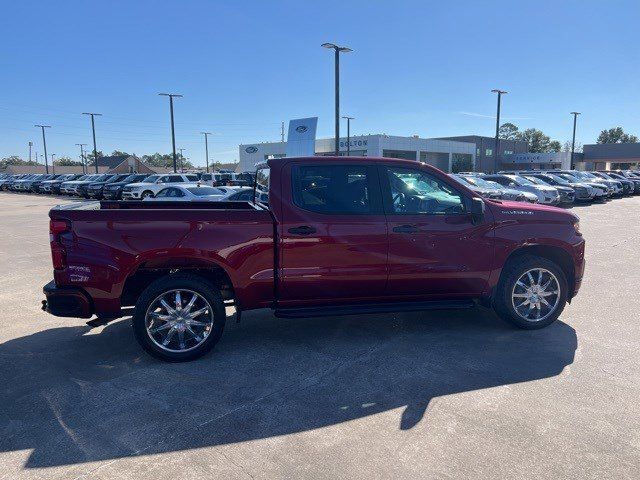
(435, 249)
(333, 234)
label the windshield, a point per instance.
(537, 181)
(569, 178)
(152, 178)
(479, 182)
(202, 191)
(521, 180)
(558, 179)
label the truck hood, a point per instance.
(507, 210)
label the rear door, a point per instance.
(435, 250)
(333, 233)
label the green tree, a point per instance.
(67, 162)
(616, 135)
(89, 156)
(15, 160)
(165, 160)
(508, 131)
(538, 142)
(566, 147)
(117, 153)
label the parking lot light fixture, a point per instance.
(44, 142)
(573, 140)
(348, 119)
(337, 50)
(173, 133)
(497, 139)
(93, 130)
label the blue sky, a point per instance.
(418, 67)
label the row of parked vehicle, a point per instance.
(552, 187)
(174, 186)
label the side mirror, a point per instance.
(476, 209)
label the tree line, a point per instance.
(538, 142)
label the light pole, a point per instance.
(337, 49)
(181, 160)
(53, 163)
(93, 129)
(348, 119)
(497, 141)
(206, 147)
(44, 144)
(30, 145)
(82, 159)
(573, 140)
(173, 133)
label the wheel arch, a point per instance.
(556, 254)
(152, 269)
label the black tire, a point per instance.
(170, 282)
(145, 194)
(511, 273)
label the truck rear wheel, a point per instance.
(179, 317)
(532, 292)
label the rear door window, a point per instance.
(335, 189)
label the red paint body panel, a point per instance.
(350, 258)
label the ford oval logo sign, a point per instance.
(301, 129)
(251, 149)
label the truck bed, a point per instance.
(109, 242)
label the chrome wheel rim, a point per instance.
(536, 295)
(179, 320)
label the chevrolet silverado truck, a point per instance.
(325, 236)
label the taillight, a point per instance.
(58, 253)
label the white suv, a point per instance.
(153, 184)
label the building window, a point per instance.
(508, 152)
(403, 154)
(478, 151)
(488, 152)
(461, 162)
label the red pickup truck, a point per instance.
(338, 236)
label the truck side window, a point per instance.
(417, 192)
(337, 189)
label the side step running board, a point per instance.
(359, 309)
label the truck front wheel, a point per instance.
(532, 292)
(179, 317)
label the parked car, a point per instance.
(628, 184)
(53, 186)
(546, 195)
(33, 185)
(113, 191)
(582, 191)
(95, 189)
(478, 185)
(614, 188)
(630, 175)
(18, 184)
(153, 184)
(245, 195)
(219, 179)
(602, 190)
(339, 237)
(187, 192)
(46, 186)
(71, 187)
(567, 194)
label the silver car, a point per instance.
(546, 194)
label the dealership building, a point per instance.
(440, 153)
(459, 153)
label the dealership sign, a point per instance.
(251, 149)
(301, 140)
(354, 143)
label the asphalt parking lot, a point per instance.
(416, 395)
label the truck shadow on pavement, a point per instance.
(71, 395)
